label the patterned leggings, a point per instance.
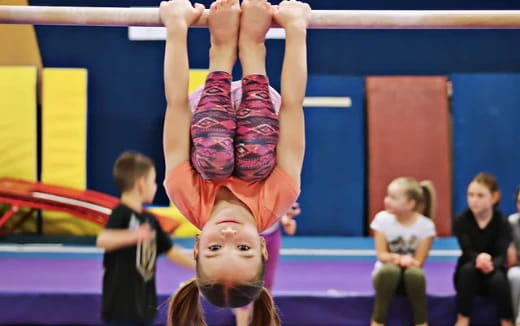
(228, 142)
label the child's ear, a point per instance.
(264, 248)
(412, 204)
(140, 182)
(495, 197)
(196, 247)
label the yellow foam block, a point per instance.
(57, 223)
(64, 127)
(18, 43)
(18, 122)
(197, 78)
(64, 142)
(186, 229)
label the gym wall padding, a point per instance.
(64, 127)
(333, 186)
(64, 142)
(126, 95)
(18, 138)
(486, 133)
(408, 135)
(18, 42)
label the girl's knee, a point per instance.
(388, 271)
(414, 271)
(254, 168)
(414, 275)
(216, 165)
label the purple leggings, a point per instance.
(273, 243)
(228, 142)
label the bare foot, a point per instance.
(462, 320)
(254, 24)
(255, 21)
(223, 21)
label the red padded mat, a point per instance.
(409, 135)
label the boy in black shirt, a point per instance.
(132, 239)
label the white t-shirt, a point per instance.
(401, 239)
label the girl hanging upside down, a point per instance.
(233, 171)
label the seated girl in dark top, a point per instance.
(484, 235)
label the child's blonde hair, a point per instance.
(423, 193)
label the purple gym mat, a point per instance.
(67, 291)
(84, 276)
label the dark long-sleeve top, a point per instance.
(492, 239)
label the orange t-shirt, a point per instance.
(195, 197)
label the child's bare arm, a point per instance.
(383, 255)
(422, 251)
(177, 16)
(294, 17)
(511, 256)
(113, 239)
(288, 222)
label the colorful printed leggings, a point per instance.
(241, 143)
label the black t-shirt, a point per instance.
(129, 273)
(493, 239)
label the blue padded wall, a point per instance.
(486, 133)
(333, 178)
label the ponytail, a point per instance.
(264, 311)
(429, 202)
(185, 308)
(423, 193)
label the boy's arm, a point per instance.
(176, 134)
(291, 142)
(176, 256)
(113, 239)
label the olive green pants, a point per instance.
(388, 280)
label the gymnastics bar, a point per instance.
(320, 19)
